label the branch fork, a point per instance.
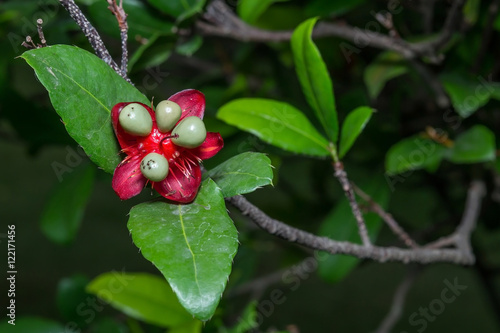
(431, 253)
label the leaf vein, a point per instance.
(78, 84)
(190, 250)
(242, 173)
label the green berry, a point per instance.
(135, 120)
(154, 167)
(168, 114)
(189, 133)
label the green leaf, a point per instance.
(497, 164)
(471, 11)
(31, 325)
(473, 146)
(314, 78)
(142, 20)
(243, 173)
(341, 225)
(413, 153)
(83, 89)
(277, 123)
(466, 95)
(192, 245)
(251, 10)
(388, 65)
(64, 210)
(189, 47)
(353, 125)
(142, 296)
(180, 9)
(70, 294)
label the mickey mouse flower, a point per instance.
(164, 147)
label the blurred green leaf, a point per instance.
(64, 209)
(180, 9)
(496, 24)
(467, 95)
(192, 245)
(497, 164)
(388, 65)
(250, 10)
(314, 78)
(70, 294)
(277, 123)
(31, 325)
(142, 296)
(352, 127)
(413, 153)
(247, 321)
(341, 225)
(142, 20)
(471, 11)
(189, 47)
(331, 8)
(473, 146)
(83, 89)
(243, 173)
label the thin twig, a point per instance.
(121, 17)
(28, 43)
(446, 241)
(219, 20)
(430, 48)
(92, 35)
(398, 302)
(385, 19)
(461, 255)
(460, 238)
(349, 193)
(391, 222)
(477, 191)
(39, 23)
